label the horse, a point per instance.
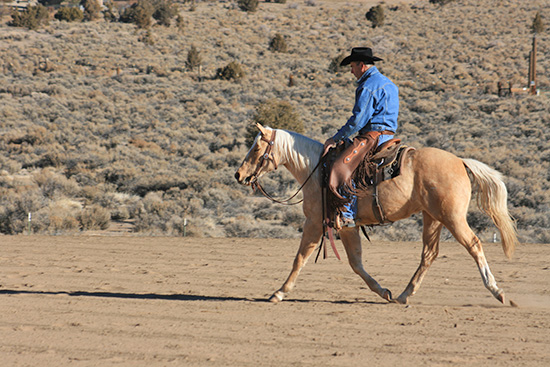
(432, 181)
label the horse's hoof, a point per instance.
(386, 294)
(401, 300)
(501, 298)
(276, 297)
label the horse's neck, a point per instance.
(299, 155)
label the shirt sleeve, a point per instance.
(362, 113)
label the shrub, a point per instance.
(278, 43)
(14, 210)
(193, 58)
(335, 66)
(245, 226)
(59, 216)
(248, 5)
(53, 184)
(180, 23)
(376, 16)
(440, 2)
(233, 71)
(164, 11)
(148, 39)
(110, 13)
(69, 14)
(92, 9)
(94, 217)
(32, 18)
(538, 24)
(276, 114)
(139, 13)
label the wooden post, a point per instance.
(184, 227)
(532, 86)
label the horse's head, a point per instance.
(260, 158)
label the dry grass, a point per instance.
(106, 113)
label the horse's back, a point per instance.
(437, 166)
(430, 179)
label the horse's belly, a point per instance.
(396, 201)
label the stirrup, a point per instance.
(340, 222)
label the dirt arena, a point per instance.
(142, 301)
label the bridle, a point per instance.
(263, 161)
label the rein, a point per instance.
(269, 155)
(256, 185)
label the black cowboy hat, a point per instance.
(360, 54)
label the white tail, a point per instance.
(492, 199)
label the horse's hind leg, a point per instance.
(430, 238)
(466, 237)
(311, 236)
(352, 243)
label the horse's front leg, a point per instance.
(313, 231)
(352, 243)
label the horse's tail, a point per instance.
(492, 199)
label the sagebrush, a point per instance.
(103, 115)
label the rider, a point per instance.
(376, 109)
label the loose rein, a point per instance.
(269, 155)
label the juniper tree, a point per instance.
(233, 71)
(248, 5)
(335, 66)
(139, 13)
(68, 14)
(538, 24)
(193, 58)
(276, 114)
(164, 11)
(278, 43)
(376, 16)
(92, 9)
(32, 17)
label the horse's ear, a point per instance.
(262, 129)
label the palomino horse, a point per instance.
(432, 181)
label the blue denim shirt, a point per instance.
(376, 106)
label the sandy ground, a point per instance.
(142, 301)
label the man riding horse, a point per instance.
(374, 120)
(430, 181)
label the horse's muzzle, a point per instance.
(246, 180)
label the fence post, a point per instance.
(184, 227)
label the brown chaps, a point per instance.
(340, 176)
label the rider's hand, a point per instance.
(328, 144)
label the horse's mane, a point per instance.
(298, 149)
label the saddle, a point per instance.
(384, 164)
(371, 165)
(355, 168)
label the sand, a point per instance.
(153, 301)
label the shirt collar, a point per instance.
(366, 74)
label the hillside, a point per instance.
(104, 122)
